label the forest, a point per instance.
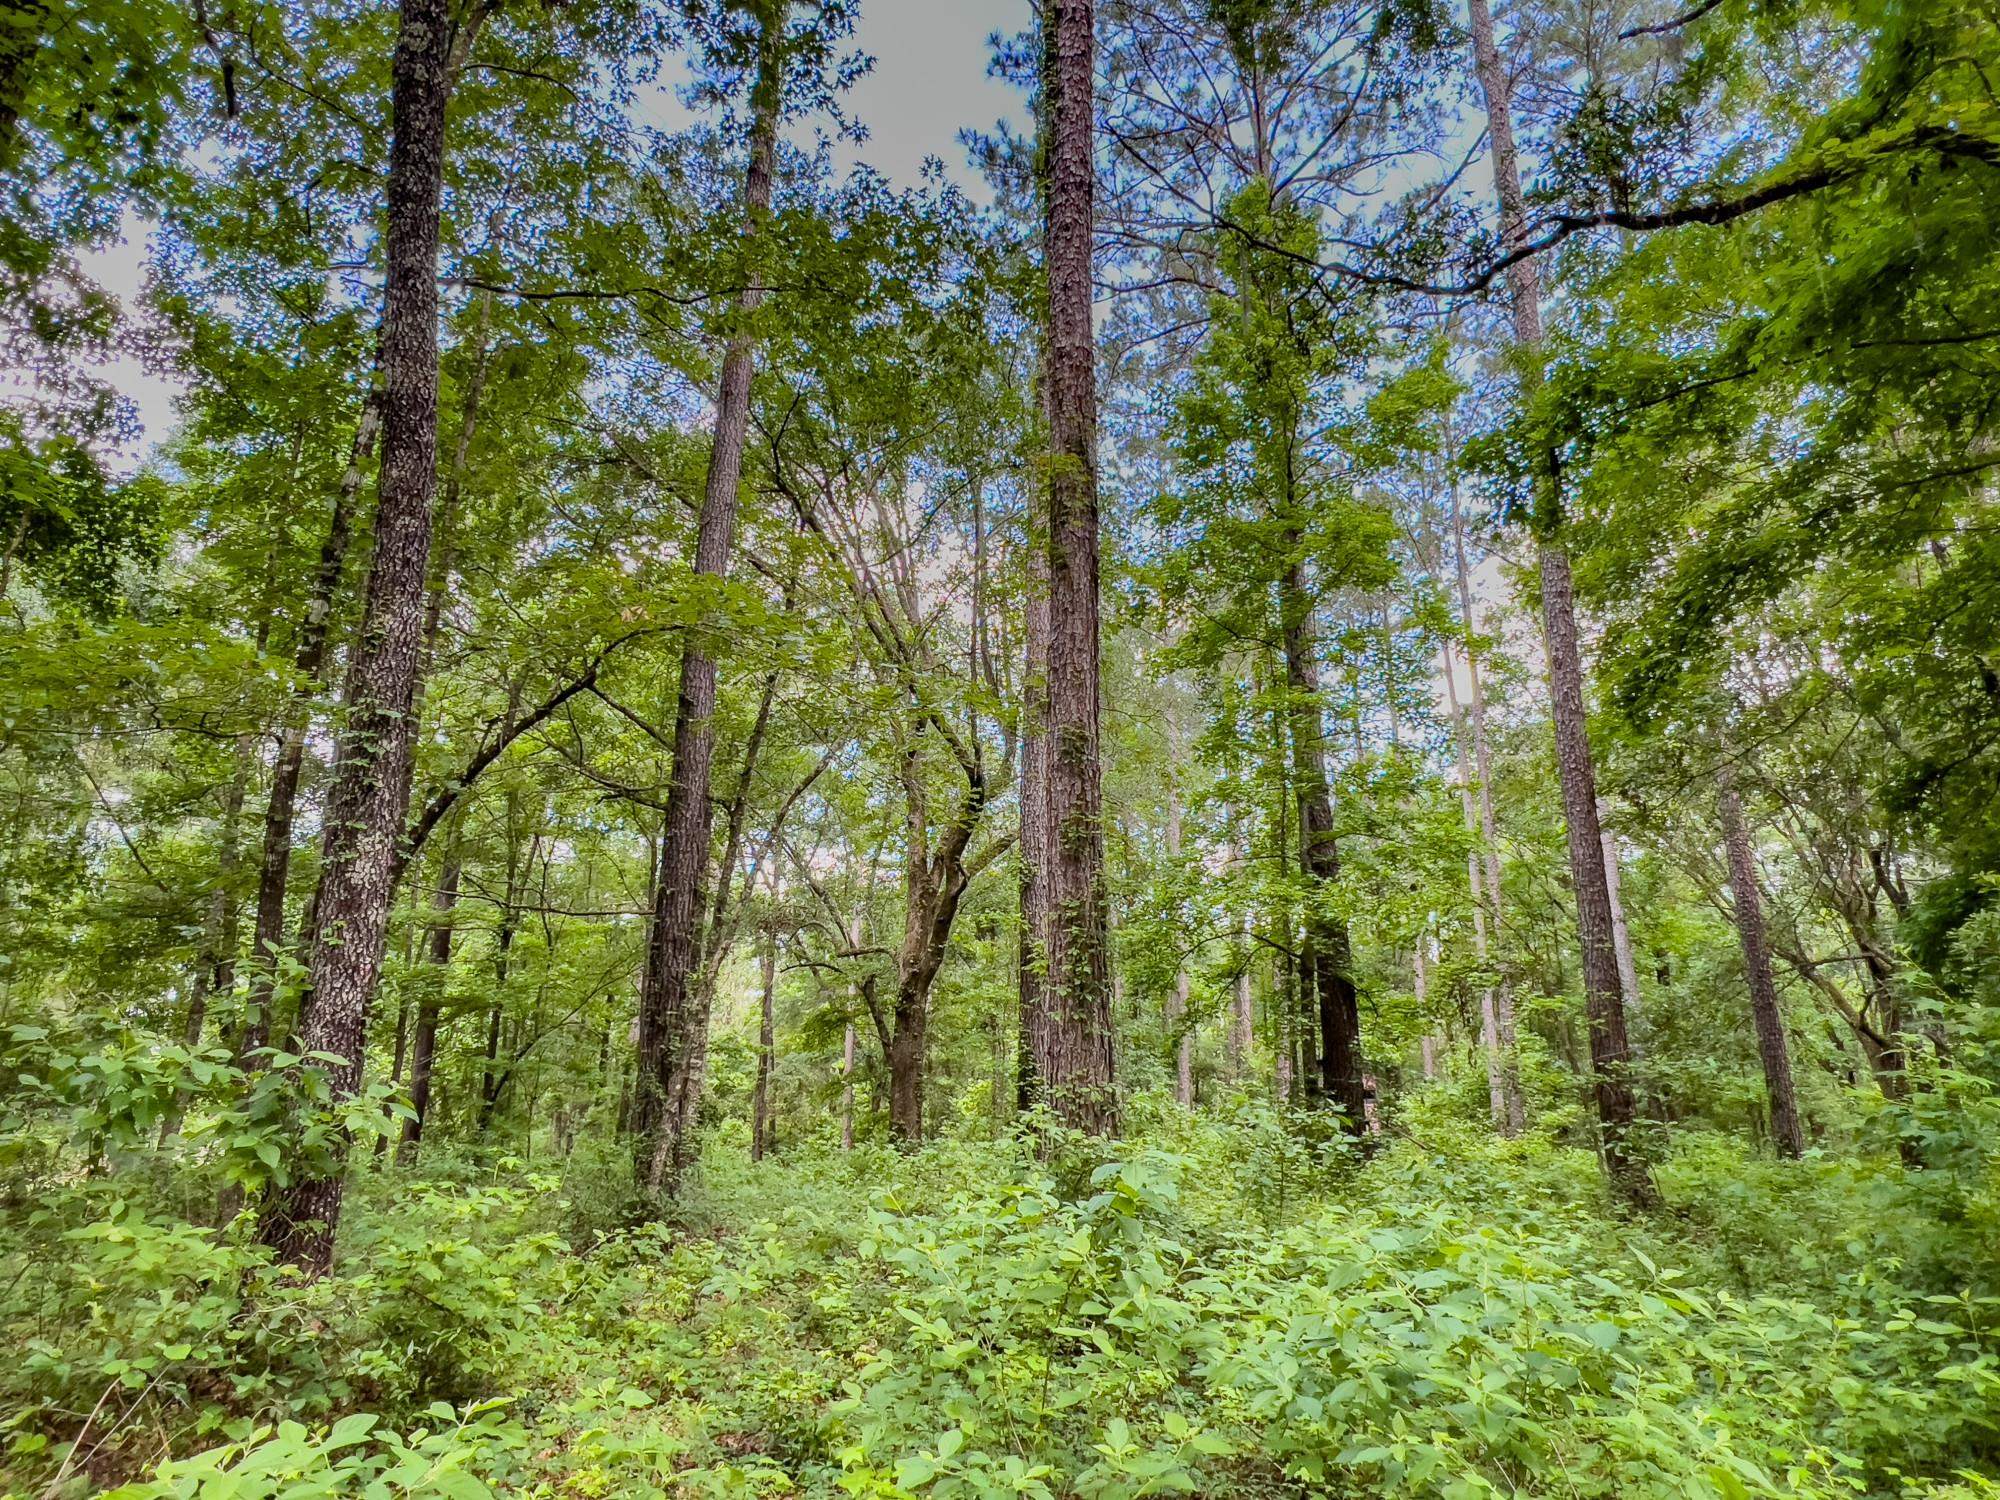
(1060, 749)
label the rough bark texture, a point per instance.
(1330, 962)
(1072, 1039)
(309, 668)
(669, 1007)
(369, 799)
(1764, 1010)
(1610, 1052)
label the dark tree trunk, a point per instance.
(1330, 964)
(1610, 1052)
(761, 1125)
(1073, 1037)
(369, 798)
(1764, 1011)
(668, 1003)
(309, 666)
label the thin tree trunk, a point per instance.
(1177, 1008)
(1513, 1096)
(1502, 1086)
(423, 1048)
(1073, 1040)
(309, 668)
(215, 964)
(369, 799)
(669, 1008)
(1621, 935)
(1765, 1013)
(1610, 1053)
(760, 1099)
(847, 1088)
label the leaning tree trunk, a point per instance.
(1330, 960)
(1610, 1053)
(1073, 1042)
(1764, 1011)
(668, 1003)
(369, 799)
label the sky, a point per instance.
(929, 82)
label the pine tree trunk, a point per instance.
(669, 1008)
(369, 800)
(1072, 1036)
(1765, 1013)
(1610, 1052)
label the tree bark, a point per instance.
(669, 1008)
(369, 799)
(1513, 1098)
(1610, 1052)
(761, 1128)
(1330, 965)
(1765, 1013)
(309, 667)
(1178, 1027)
(847, 1088)
(1502, 1086)
(1073, 1037)
(423, 1046)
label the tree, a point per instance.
(1069, 1025)
(370, 793)
(1610, 1051)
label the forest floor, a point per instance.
(1223, 1308)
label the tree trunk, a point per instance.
(760, 1099)
(215, 964)
(423, 1047)
(369, 799)
(1765, 1013)
(1609, 1051)
(847, 1088)
(1621, 935)
(1513, 1099)
(1331, 963)
(669, 1009)
(1178, 1028)
(1073, 1037)
(309, 668)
